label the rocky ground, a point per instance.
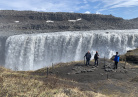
(102, 78)
(81, 73)
(72, 79)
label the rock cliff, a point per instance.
(59, 21)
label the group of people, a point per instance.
(96, 57)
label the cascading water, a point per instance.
(34, 51)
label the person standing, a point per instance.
(96, 57)
(88, 57)
(116, 59)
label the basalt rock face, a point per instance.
(31, 20)
(132, 56)
(134, 22)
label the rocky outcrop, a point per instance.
(131, 56)
(59, 21)
(82, 69)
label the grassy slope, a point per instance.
(27, 84)
(37, 84)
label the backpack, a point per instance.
(96, 56)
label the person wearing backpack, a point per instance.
(96, 57)
(116, 59)
(88, 57)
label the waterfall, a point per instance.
(34, 51)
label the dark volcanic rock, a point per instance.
(59, 21)
(132, 56)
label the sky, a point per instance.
(127, 9)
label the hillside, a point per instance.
(59, 21)
(30, 84)
(72, 79)
(134, 22)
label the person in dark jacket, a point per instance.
(96, 57)
(116, 59)
(88, 57)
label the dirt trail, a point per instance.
(102, 79)
(81, 73)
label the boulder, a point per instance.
(132, 56)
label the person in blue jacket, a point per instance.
(116, 59)
(88, 57)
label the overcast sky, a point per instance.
(126, 9)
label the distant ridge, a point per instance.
(61, 21)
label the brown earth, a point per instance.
(72, 79)
(98, 79)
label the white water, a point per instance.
(31, 52)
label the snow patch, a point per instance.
(49, 21)
(75, 20)
(16, 21)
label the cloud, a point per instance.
(85, 1)
(98, 12)
(87, 12)
(131, 3)
(117, 3)
(111, 4)
(43, 5)
(81, 6)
